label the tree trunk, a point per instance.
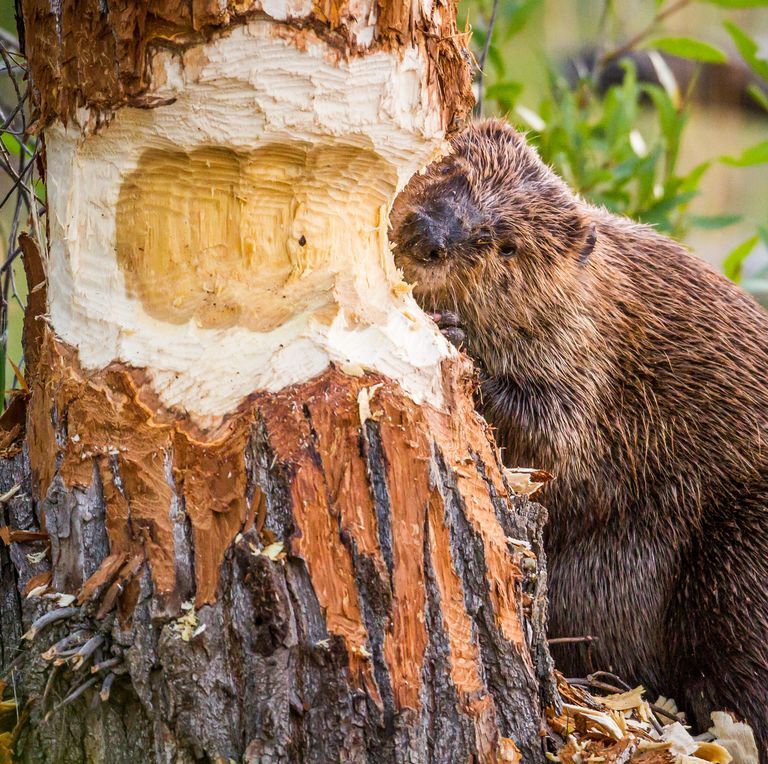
(258, 517)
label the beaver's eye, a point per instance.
(508, 249)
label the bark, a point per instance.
(232, 538)
(369, 607)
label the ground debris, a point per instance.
(625, 728)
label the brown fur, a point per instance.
(639, 376)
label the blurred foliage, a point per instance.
(618, 146)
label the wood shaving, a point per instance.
(364, 398)
(525, 481)
(617, 729)
(187, 626)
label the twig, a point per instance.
(54, 651)
(49, 684)
(50, 617)
(9, 66)
(655, 722)
(643, 33)
(73, 696)
(110, 663)
(87, 650)
(571, 640)
(8, 121)
(106, 687)
(19, 180)
(64, 656)
(483, 57)
(7, 39)
(597, 685)
(663, 712)
(598, 675)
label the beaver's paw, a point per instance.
(450, 325)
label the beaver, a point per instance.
(636, 374)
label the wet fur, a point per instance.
(636, 374)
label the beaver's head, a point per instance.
(486, 223)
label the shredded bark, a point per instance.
(368, 543)
(97, 56)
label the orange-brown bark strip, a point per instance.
(317, 540)
(81, 56)
(14, 416)
(458, 626)
(212, 477)
(102, 578)
(146, 456)
(465, 655)
(37, 301)
(41, 579)
(337, 429)
(405, 441)
(462, 442)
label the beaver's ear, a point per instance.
(574, 231)
(588, 242)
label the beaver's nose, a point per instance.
(434, 233)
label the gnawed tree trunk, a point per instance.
(253, 460)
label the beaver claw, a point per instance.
(450, 325)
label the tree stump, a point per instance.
(257, 516)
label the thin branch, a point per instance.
(52, 616)
(8, 40)
(106, 687)
(483, 58)
(9, 66)
(571, 640)
(633, 42)
(73, 696)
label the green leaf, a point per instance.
(516, 15)
(713, 222)
(667, 204)
(758, 95)
(691, 181)
(506, 93)
(40, 192)
(748, 49)
(757, 154)
(735, 260)
(11, 143)
(687, 47)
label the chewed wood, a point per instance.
(88, 55)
